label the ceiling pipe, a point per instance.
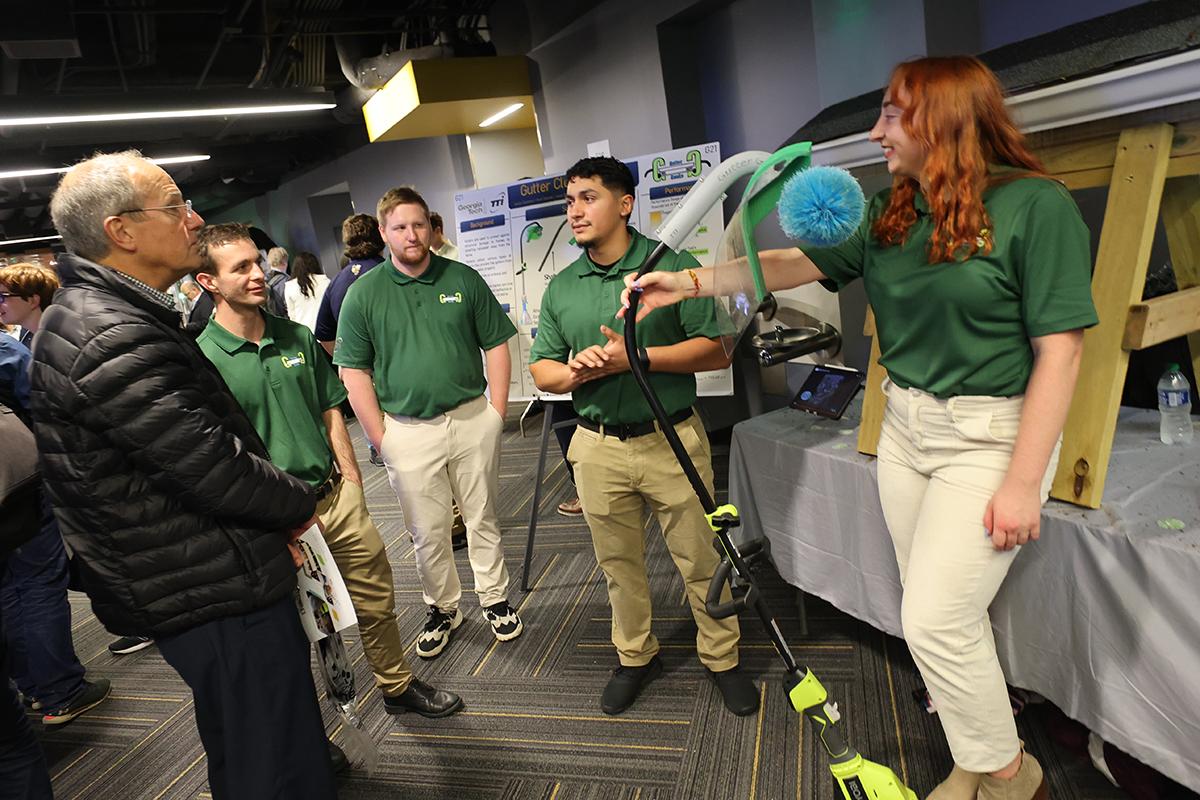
(373, 72)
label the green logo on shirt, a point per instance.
(293, 362)
(450, 298)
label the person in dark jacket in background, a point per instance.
(364, 249)
(162, 487)
(23, 772)
(33, 589)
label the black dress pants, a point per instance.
(256, 705)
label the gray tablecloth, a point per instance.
(1101, 616)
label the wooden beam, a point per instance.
(1130, 219)
(1181, 221)
(1183, 165)
(1098, 151)
(1162, 318)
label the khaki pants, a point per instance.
(940, 462)
(431, 463)
(359, 554)
(614, 478)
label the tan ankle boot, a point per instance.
(959, 785)
(1028, 784)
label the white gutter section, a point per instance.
(1154, 84)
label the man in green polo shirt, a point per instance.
(621, 459)
(284, 382)
(409, 342)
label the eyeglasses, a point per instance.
(5, 295)
(186, 205)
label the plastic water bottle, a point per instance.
(1174, 407)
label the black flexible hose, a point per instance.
(827, 729)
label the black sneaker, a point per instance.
(737, 690)
(504, 620)
(458, 541)
(436, 634)
(129, 644)
(626, 684)
(91, 695)
(373, 456)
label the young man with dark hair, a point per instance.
(409, 342)
(291, 394)
(620, 457)
(439, 243)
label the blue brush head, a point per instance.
(821, 206)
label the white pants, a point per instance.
(431, 463)
(940, 462)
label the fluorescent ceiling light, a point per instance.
(31, 239)
(129, 116)
(30, 173)
(494, 118)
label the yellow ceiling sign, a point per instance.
(447, 96)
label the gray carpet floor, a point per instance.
(532, 727)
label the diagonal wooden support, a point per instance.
(1181, 221)
(1130, 218)
(1163, 318)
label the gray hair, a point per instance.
(276, 256)
(90, 192)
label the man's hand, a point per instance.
(600, 361)
(296, 533)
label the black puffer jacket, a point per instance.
(159, 481)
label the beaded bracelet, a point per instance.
(695, 281)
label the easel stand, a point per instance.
(548, 427)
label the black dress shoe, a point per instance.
(626, 684)
(424, 700)
(737, 690)
(337, 759)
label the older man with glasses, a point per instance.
(164, 490)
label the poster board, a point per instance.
(517, 238)
(321, 596)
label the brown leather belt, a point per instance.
(630, 430)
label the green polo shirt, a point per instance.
(963, 328)
(421, 336)
(584, 296)
(284, 383)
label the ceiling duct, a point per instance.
(372, 72)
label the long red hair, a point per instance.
(953, 107)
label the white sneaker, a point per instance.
(504, 620)
(436, 634)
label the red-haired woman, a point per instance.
(978, 269)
